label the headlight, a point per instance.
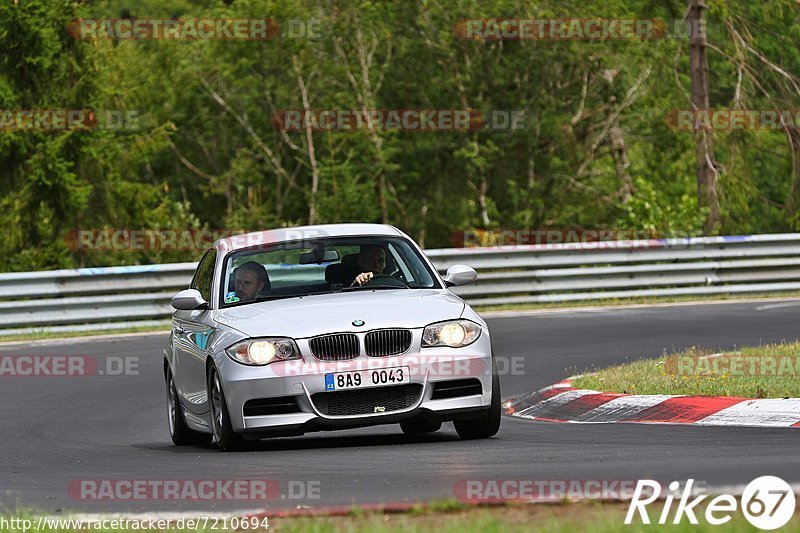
(260, 352)
(455, 334)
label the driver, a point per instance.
(371, 260)
(250, 279)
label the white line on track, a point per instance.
(777, 306)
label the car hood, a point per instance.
(327, 313)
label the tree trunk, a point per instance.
(423, 214)
(620, 154)
(792, 202)
(706, 169)
(312, 155)
(482, 202)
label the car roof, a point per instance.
(255, 238)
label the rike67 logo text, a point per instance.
(767, 502)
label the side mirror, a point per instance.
(460, 275)
(189, 300)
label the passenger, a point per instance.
(250, 279)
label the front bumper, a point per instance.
(304, 381)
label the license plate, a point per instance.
(362, 379)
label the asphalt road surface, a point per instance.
(56, 431)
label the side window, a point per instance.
(205, 275)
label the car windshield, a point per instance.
(324, 265)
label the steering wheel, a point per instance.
(385, 280)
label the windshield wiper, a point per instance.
(375, 287)
(267, 298)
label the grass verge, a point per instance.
(563, 517)
(768, 371)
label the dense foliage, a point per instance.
(596, 153)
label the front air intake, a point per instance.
(336, 347)
(383, 342)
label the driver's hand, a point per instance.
(362, 279)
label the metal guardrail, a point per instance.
(116, 297)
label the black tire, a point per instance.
(178, 430)
(419, 427)
(227, 439)
(488, 423)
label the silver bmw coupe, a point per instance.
(287, 331)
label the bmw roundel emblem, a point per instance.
(358, 322)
